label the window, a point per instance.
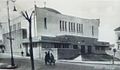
(75, 47)
(118, 38)
(45, 23)
(69, 27)
(60, 26)
(14, 27)
(24, 33)
(74, 27)
(81, 28)
(92, 30)
(97, 48)
(34, 44)
(65, 46)
(63, 25)
(78, 28)
(19, 25)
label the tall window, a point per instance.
(63, 25)
(74, 27)
(60, 25)
(19, 25)
(79, 28)
(69, 27)
(45, 23)
(14, 27)
(92, 30)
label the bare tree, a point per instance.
(29, 19)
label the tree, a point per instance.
(29, 19)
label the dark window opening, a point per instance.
(118, 38)
(45, 23)
(75, 46)
(60, 26)
(24, 33)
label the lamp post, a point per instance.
(10, 36)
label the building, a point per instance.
(65, 36)
(117, 32)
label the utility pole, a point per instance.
(10, 36)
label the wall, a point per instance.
(16, 42)
(53, 28)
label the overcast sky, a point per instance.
(107, 10)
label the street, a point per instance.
(24, 64)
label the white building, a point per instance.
(117, 32)
(65, 36)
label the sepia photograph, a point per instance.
(59, 34)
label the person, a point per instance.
(46, 58)
(52, 59)
(22, 53)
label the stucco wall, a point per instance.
(53, 27)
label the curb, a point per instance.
(6, 66)
(91, 63)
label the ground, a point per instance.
(24, 64)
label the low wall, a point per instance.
(68, 53)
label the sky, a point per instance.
(105, 10)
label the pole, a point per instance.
(12, 59)
(31, 48)
(29, 19)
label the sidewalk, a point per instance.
(8, 66)
(6, 55)
(92, 62)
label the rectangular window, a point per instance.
(24, 33)
(65, 26)
(81, 28)
(118, 38)
(92, 30)
(77, 27)
(60, 26)
(14, 27)
(74, 27)
(69, 27)
(45, 23)
(19, 25)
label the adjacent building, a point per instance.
(65, 36)
(117, 32)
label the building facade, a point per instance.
(117, 32)
(65, 36)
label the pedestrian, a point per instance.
(46, 58)
(52, 59)
(22, 53)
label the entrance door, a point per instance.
(89, 49)
(82, 49)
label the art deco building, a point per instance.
(65, 36)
